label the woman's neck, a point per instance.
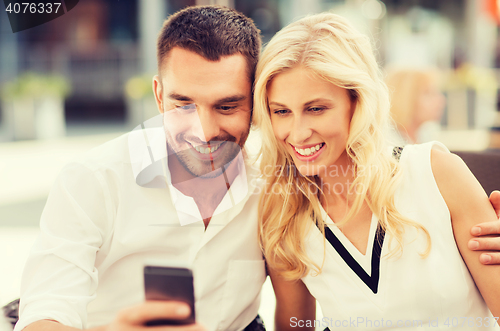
(410, 133)
(336, 182)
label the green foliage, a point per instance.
(35, 85)
(139, 87)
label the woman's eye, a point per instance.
(280, 111)
(316, 109)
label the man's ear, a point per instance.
(158, 91)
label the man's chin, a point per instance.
(206, 171)
(207, 175)
(206, 168)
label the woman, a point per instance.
(390, 220)
(415, 99)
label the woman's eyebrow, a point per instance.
(316, 100)
(274, 103)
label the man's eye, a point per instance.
(227, 108)
(187, 108)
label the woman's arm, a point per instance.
(468, 205)
(294, 304)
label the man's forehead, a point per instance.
(183, 64)
(193, 78)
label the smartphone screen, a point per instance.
(170, 283)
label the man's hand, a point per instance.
(488, 235)
(133, 319)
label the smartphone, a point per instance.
(170, 281)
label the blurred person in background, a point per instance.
(415, 99)
(494, 143)
(494, 139)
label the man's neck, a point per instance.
(206, 192)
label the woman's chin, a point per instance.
(308, 170)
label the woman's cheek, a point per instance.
(279, 131)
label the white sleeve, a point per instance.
(60, 277)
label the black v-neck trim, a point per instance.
(370, 281)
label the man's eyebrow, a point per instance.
(179, 97)
(233, 98)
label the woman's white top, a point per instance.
(433, 293)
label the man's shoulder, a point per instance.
(99, 163)
(110, 154)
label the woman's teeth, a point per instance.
(309, 151)
(206, 150)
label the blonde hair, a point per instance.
(327, 45)
(405, 86)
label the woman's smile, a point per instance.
(308, 153)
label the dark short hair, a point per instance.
(212, 32)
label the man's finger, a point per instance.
(490, 258)
(491, 244)
(152, 310)
(487, 228)
(495, 201)
(190, 327)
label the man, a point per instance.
(133, 200)
(128, 201)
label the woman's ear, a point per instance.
(353, 97)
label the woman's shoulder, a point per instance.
(425, 149)
(451, 174)
(443, 164)
(419, 157)
(422, 167)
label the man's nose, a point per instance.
(209, 126)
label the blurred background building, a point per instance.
(105, 50)
(84, 78)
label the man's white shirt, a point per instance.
(103, 221)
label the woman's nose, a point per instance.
(300, 130)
